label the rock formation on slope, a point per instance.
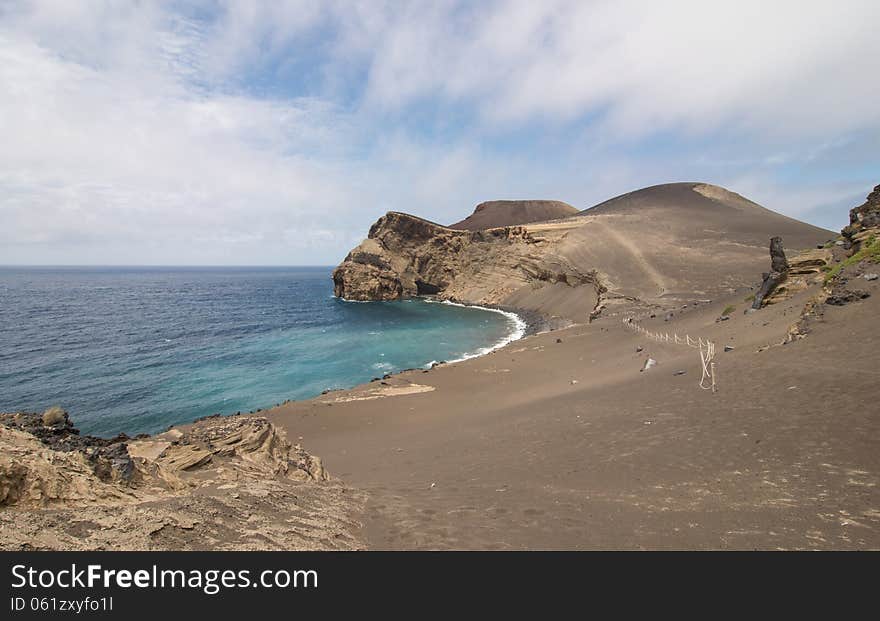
(863, 237)
(221, 483)
(837, 266)
(493, 214)
(654, 246)
(864, 220)
(790, 276)
(778, 272)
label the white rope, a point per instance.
(707, 358)
(707, 351)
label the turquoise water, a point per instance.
(135, 350)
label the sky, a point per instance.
(276, 132)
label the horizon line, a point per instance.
(155, 265)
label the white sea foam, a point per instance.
(336, 297)
(519, 330)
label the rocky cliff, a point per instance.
(864, 220)
(655, 246)
(406, 256)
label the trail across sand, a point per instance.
(635, 253)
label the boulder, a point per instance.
(841, 296)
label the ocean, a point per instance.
(135, 350)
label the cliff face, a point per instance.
(406, 256)
(659, 246)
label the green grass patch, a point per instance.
(749, 298)
(727, 310)
(870, 252)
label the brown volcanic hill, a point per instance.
(659, 246)
(738, 217)
(492, 214)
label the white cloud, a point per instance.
(134, 132)
(129, 153)
(786, 66)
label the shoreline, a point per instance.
(520, 328)
(519, 331)
(563, 442)
(527, 323)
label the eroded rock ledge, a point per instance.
(221, 483)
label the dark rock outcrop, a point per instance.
(862, 218)
(842, 296)
(864, 225)
(778, 261)
(59, 434)
(790, 275)
(777, 274)
(108, 457)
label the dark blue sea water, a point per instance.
(137, 349)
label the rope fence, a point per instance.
(705, 346)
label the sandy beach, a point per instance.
(565, 440)
(559, 441)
